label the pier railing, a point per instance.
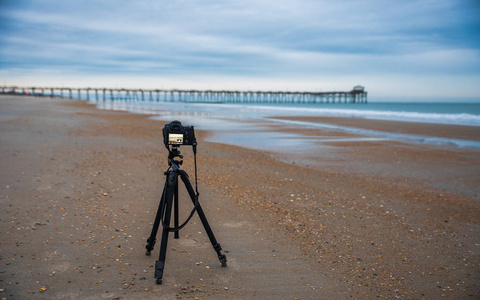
(204, 96)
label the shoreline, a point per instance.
(461, 136)
(81, 186)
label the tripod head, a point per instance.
(173, 152)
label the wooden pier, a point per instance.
(356, 95)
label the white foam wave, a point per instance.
(403, 116)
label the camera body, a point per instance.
(175, 134)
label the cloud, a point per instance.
(242, 41)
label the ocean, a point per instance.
(236, 119)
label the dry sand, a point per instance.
(80, 188)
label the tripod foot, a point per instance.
(149, 246)
(223, 259)
(159, 265)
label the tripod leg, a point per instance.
(160, 263)
(176, 235)
(201, 214)
(153, 235)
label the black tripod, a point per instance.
(169, 200)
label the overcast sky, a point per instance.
(396, 49)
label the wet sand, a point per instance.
(80, 187)
(443, 167)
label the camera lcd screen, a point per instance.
(175, 139)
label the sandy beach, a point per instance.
(355, 220)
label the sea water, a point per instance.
(248, 124)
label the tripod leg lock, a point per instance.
(217, 248)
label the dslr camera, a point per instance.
(175, 134)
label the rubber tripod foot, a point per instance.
(159, 271)
(223, 259)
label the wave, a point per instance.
(403, 116)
